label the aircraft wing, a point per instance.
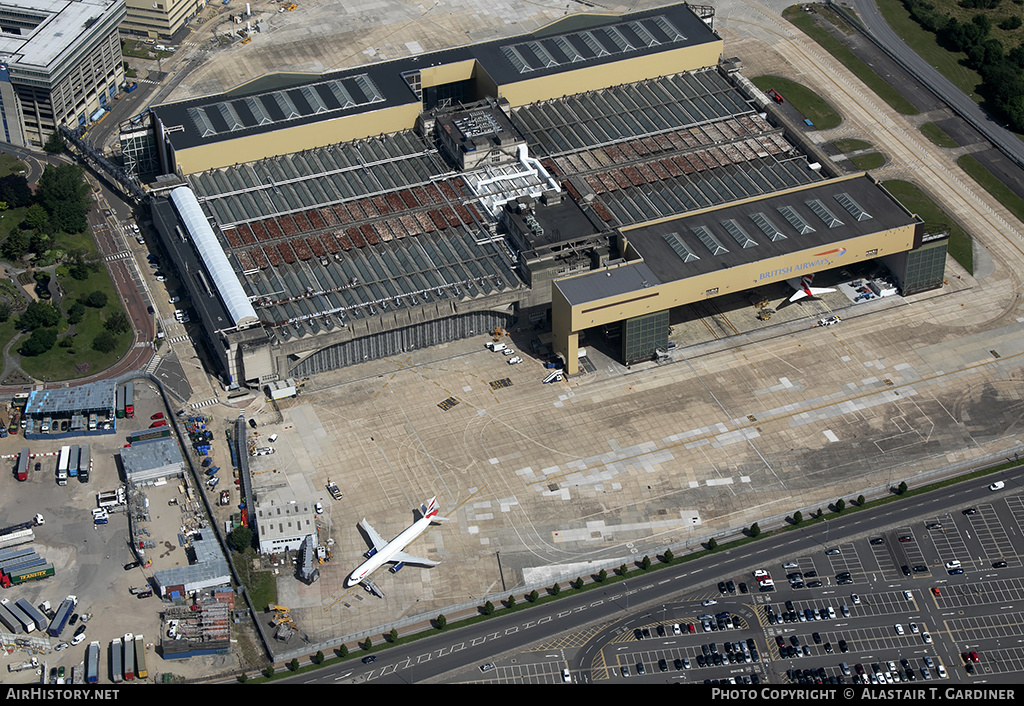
(378, 541)
(410, 559)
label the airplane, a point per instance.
(391, 552)
(804, 289)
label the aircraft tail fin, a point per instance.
(809, 292)
(430, 510)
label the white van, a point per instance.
(272, 438)
(496, 346)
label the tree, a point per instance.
(488, 608)
(41, 340)
(5, 312)
(96, 300)
(367, 644)
(393, 635)
(240, 538)
(860, 501)
(104, 342)
(76, 313)
(118, 323)
(38, 315)
(15, 191)
(64, 193)
(441, 622)
(623, 570)
(54, 143)
(343, 651)
(798, 517)
(532, 596)
(318, 658)
(578, 583)
(645, 563)
(840, 505)
(511, 601)
(15, 245)
(602, 575)
(243, 677)
(269, 671)
(755, 530)
(37, 218)
(669, 556)
(556, 589)
(712, 544)
(294, 664)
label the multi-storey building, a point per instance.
(60, 63)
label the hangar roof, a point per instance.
(778, 224)
(809, 217)
(562, 46)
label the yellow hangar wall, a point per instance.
(593, 78)
(289, 140)
(569, 320)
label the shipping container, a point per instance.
(92, 663)
(8, 620)
(116, 662)
(84, 464)
(35, 573)
(34, 613)
(73, 461)
(27, 624)
(63, 459)
(140, 657)
(129, 656)
(119, 404)
(129, 400)
(60, 620)
(23, 461)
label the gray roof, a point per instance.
(49, 29)
(629, 277)
(567, 45)
(146, 456)
(96, 396)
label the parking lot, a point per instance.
(89, 559)
(799, 634)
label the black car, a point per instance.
(638, 634)
(369, 658)
(816, 637)
(721, 588)
(877, 540)
(843, 575)
(252, 423)
(906, 570)
(131, 565)
(954, 572)
(743, 587)
(663, 665)
(678, 663)
(80, 630)
(730, 586)
(920, 568)
(999, 565)
(971, 511)
(814, 584)
(843, 647)
(661, 631)
(73, 619)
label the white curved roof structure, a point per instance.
(231, 293)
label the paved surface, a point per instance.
(620, 463)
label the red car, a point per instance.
(691, 628)
(161, 423)
(158, 415)
(936, 591)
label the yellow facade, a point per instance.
(629, 70)
(568, 320)
(289, 140)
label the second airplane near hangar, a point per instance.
(391, 552)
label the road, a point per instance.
(640, 599)
(1007, 142)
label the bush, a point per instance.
(441, 622)
(712, 544)
(755, 530)
(668, 556)
(41, 340)
(104, 342)
(532, 596)
(488, 608)
(798, 517)
(96, 300)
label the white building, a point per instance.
(60, 63)
(283, 525)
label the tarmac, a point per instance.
(748, 422)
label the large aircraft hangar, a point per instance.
(605, 169)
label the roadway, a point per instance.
(876, 26)
(605, 614)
